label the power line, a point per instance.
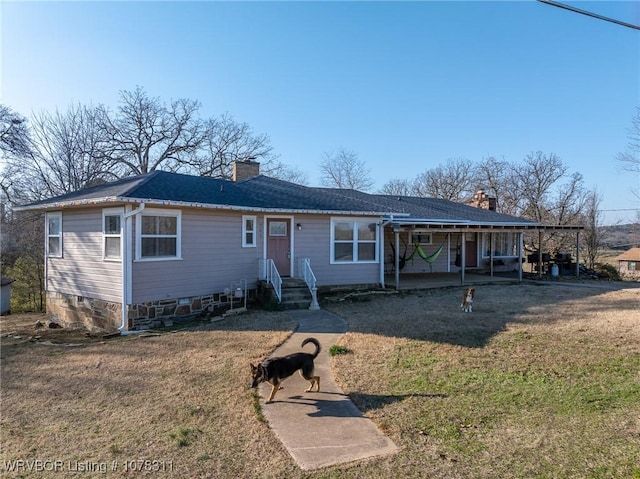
(624, 209)
(590, 14)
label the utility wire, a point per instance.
(590, 14)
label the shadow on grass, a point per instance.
(370, 402)
(434, 314)
(353, 405)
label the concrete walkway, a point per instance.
(325, 428)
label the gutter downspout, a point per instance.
(127, 264)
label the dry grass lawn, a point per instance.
(539, 381)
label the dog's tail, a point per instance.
(315, 342)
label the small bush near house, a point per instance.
(608, 271)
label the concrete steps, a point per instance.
(295, 294)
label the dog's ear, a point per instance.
(253, 368)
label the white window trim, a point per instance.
(426, 238)
(486, 240)
(159, 212)
(105, 235)
(355, 241)
(49, 235)
(254, 219)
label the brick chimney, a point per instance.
(483, 200)
(243, 169)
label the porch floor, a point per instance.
(440, 280)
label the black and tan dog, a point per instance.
(276, 370)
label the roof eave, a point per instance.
(186, 204)
(459, 224)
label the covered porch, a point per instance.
(462, 271)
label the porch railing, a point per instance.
(306, 273)
(270, 274)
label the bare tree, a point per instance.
(454, 181)
(14, 143)
(145, 135)
(533, 180)
(397, 187)
(344, 170)
(279, 170)
(63, 153)
(494, 178)
(225, 141)
(548, 194)
(591, 237)
(630, 158)
(14, 134)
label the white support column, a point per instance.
(577, 254)
(396, 233)
(490, 253)
(540, 254)
(463, 254)
(520, 254)
(381, 253)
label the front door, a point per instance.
(279, 244)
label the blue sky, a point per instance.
(405, 85)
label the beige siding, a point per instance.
(81, 271)
(212, 259)
(313, 242)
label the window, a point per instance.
(353, 241)
(504, 245)
(632, 265)
(112, 234)
(421, 238)
(158, 234)
(54, 235)
(277, 228)
(248, 231)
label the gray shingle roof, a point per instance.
(262, 192)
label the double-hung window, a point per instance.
(54, 235)
(248, 231)
(353, 241)
(112, 234)
(158, 234)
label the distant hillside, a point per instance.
(621, 237)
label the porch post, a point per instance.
(449, 252)
(539, 254)
(463, 254)
(520, 250)
(490, 253)
(396, 233)
(381, 253)
(578, 254)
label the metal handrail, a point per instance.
(309, 277)
(307, 273)
(270, 274)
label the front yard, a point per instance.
(540, 381)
